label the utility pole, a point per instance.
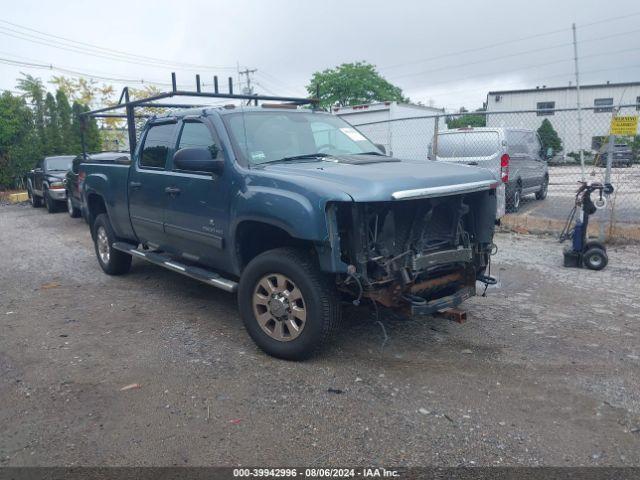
(575, 60)
(248, 90)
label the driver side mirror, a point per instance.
(199, 159)
(549, 153)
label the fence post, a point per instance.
(434, 145)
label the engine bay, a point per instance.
(409, 251)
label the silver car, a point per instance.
(514, 155)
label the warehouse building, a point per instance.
(597, 101)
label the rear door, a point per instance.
(481, 148)
(148, 181)
(197, 213)
(519, 161)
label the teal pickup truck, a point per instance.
(297, 212)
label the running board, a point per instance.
(197, 273)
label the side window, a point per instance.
(156, 146)
(603, 105)
(196, 134)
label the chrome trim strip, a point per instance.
(173, 265)
(136, 252)
(445, 190)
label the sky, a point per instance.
(445, 54)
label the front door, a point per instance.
(197, 215)
(147, 184)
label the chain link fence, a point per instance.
(544, 165)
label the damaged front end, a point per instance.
(418, 255)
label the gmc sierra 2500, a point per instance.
(296, 211)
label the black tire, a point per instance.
(544, 188)
(514, 199)
(320, 297)
(114, 262)
(36, 202)
(595, 258)
(71, 210)
(51, 205)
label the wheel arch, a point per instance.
(251, 237)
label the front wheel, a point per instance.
(595, 258)
(112, 262)
(288, 306)
(544, 188)
(51, 204)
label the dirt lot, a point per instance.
(546, 370)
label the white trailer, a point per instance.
(404, 129)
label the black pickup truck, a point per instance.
(74, 178)
(45, 183)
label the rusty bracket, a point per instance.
(454, 314)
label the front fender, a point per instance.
(290, 211)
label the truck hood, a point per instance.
(383, 178)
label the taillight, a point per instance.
(504, 168)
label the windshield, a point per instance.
(467, 144)
(262, 137)
(57, 164)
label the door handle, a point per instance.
(172, 190)
(135, 185)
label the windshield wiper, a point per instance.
(372, 153)
(304, 156)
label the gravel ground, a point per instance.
(545, 372)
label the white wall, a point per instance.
(406, 137)
(565, 123)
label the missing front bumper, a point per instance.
(450, 301)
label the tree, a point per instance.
(549, 137)
(467, 119)
(52, 140)
(18, 150)
(353, 84)
(34, 91)
(64, 121)
(88, 126)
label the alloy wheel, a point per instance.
(279, 307)
(104, 249)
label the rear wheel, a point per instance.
(544, 188)
(71, 210)
(288, 306)
(595, 258)
(514, 199)
(36, 202)
(113, 262)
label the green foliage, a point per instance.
(64, 118)
(52, 139)
(37, 124)
(466, 120)
(549, 137)
(353, 84)
(17, 134)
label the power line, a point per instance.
(538, 79)
(517, 54)
(248, 90)
(506, 42)
(115, 51)
(537, 65)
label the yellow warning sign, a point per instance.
(627, 125)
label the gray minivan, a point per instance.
(514, 155)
